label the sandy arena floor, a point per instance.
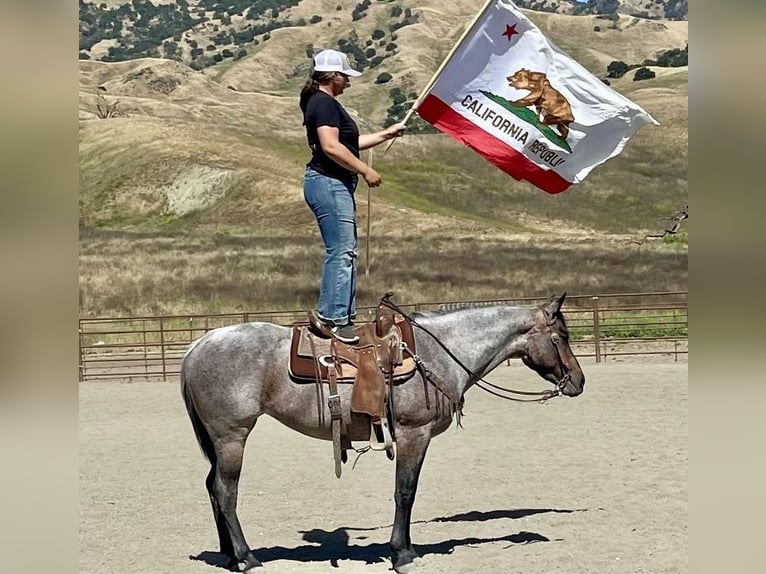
(593, 484)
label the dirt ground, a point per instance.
(592, 484)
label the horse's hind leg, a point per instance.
(222, 483)
(226, 547)
(411, 446)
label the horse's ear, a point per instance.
(555, 304)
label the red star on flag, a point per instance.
(510, 31)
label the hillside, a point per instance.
(204, 33)
(219, 152)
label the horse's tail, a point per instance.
(203, 437)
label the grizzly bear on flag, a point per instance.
(544, 97)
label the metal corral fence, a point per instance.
(601, 326)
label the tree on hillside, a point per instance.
(674, 58)
(677, 9)
(616, 69)
(643, 74)
(597, 7)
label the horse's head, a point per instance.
(547, 350)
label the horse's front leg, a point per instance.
(411, 445)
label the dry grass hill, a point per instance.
(191, 195)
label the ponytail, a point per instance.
(312, 85)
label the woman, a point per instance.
(330, 180)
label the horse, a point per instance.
(233, 375)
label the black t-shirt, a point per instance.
(324, 110)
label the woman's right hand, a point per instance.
(372, 177)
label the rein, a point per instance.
(542, 396)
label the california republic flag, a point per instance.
(518, 100)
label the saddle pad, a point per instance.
(302, 367)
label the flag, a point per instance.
(514, 97)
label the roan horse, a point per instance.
(233, 375)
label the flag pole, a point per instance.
(367, 240)
(444, 63)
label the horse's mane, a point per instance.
(442, 312)
(434, 313)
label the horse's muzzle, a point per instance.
(574, 385)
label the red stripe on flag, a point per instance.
(493, 149)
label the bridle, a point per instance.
(491, 388)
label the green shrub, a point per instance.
(616, 69)
(643, 74)
(674, 58)
(382, 78)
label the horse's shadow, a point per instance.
(335, 545)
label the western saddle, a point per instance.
(383, 357)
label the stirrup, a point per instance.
(380, 436)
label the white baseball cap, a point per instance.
(333, 61)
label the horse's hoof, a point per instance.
(249, 564)
(406, 562)
(405, 568)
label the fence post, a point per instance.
(82, 356)
(162, 347)
(146, 357)
(596, 330)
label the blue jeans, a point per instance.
(332, 202)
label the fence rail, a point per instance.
(602, 326)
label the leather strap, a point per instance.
(336, 411)
(318, 382)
